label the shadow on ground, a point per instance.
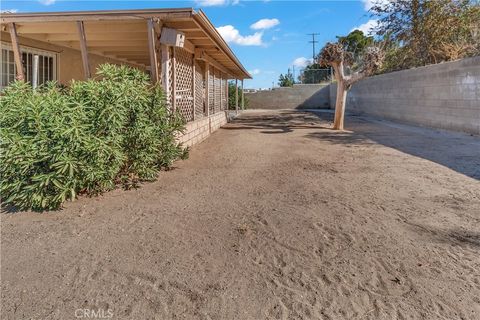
(281, 122)
(457, 151)
(452, 236)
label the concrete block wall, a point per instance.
(217, 120)
(300, 96)
(445, 96)
(198, 130)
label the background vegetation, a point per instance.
(413, 33)
(286, 80)
(421, 32)
(231, 96)
(57, 143)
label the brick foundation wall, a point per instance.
(198, 130)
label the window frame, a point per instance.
(28, 50)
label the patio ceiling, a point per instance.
(123, 34)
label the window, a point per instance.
(47, 65)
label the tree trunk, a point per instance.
(340, 105)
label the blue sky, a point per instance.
(267, 36)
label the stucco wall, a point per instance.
(445, 96)
(69, 61)
(299, 96)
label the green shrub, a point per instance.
(56, 143)
(231, 97)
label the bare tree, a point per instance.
(334, 54)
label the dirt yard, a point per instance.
(273, 217)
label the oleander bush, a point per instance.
(88, 138)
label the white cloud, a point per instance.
(367, 27)
(213, 3)
(302, 62)
(368, 4)
(230, 34)
(47, 2)
(9, 11)
(265, 24)
(254, 72)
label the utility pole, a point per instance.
(313, 43)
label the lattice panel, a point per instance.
(217, 92)
(224, 94)
(170, 77)
(221, 90)
(184, 83)
(211, 90)
(200, 110)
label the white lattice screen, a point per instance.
(181, 80)
(217, 99)
(211, 90)
(184, 83)
(224, 94)
(170, 76)
(200, 110)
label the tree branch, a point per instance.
(349, 81)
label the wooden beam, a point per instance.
(243, 97)
(193, 86)
(199, 42)
(202, 55)
(207, 89)
(189, 26)
(98, 16)
(221, 91)
(214, 91)
(174, 80)
(83, 49)
(90, 27)
(165, 72)
(120, 50)
(190, 47)
(134, 56)
(196, 35)
(16, 52)
(227, 93)
(236, 95)
(97, 36)
(152, 39)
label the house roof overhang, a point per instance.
(122, 34)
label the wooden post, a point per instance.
(165, 72)
(226, 92)
(221, 92)
(207, 87)
(152, 39)
(35, 71)
(16, 52)
(236, 95)
(83, 49)
(193, 86)
(214, 91)
(174, 81)
(243, 97)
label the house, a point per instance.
(179, 48)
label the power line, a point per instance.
(313, 41)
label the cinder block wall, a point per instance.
(445, 96)
(303, 96)
(198, 130)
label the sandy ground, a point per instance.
(273, 217)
